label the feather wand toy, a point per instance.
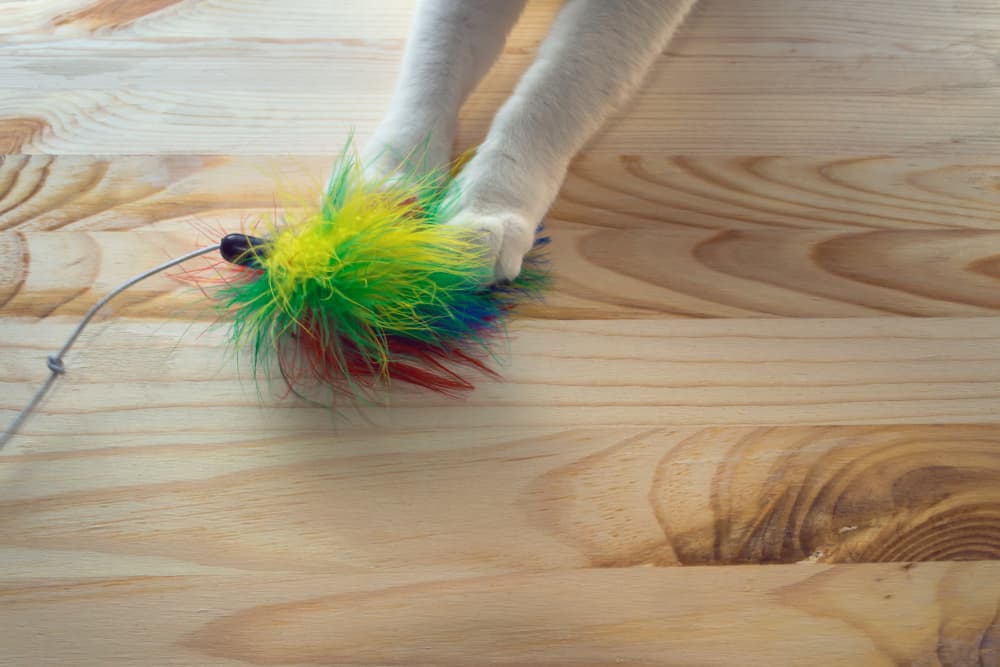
(368, 288)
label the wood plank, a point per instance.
(319, 122)
(614, 273)
(635, 238)
(365, 66)
(783, 192)
(220, 19)
(598, 273)
(439, 498)
(868, 616)
(810, 27)
(665, 192)
(135, 377)
(736, 82)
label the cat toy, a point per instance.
(368, 288)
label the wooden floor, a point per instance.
(756, 423)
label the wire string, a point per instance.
(55, 361)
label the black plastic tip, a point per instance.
(242, 249)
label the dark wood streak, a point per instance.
(568, 196)
(905, 202)
(752, 196)
(748, 202)
(64, 298)
(18, 131)
(11, 184)
(912, 179)
(636, 167)
(63, 195)
(95, 178)
(851, 273)
(987, 266)
(35, 189)
(832, 494)
(825, 171)
(113, 13)
(12, 180)
(22, 255)
(706, 253)
(855, 258)
(967, 532)
(61, 198)
(728, 202)
(989, 639)
(767, 540)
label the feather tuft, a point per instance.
(369, 287)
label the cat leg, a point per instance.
(452, 44)
(595, 56)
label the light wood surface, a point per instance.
(756, 422)
(884, 615)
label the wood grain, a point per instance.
(634, 191)
(736, 82)
(544, 497)
(755, 422)
(879, 615)
(295, 20)
(638, 238)
(556, 374)
(782, 193)
(113, 13)
(599, 273)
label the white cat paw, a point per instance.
(507, 237)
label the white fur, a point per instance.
(595, 56)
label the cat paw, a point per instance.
(507, 237)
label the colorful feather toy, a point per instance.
(369, 287)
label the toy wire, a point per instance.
(55, 361)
